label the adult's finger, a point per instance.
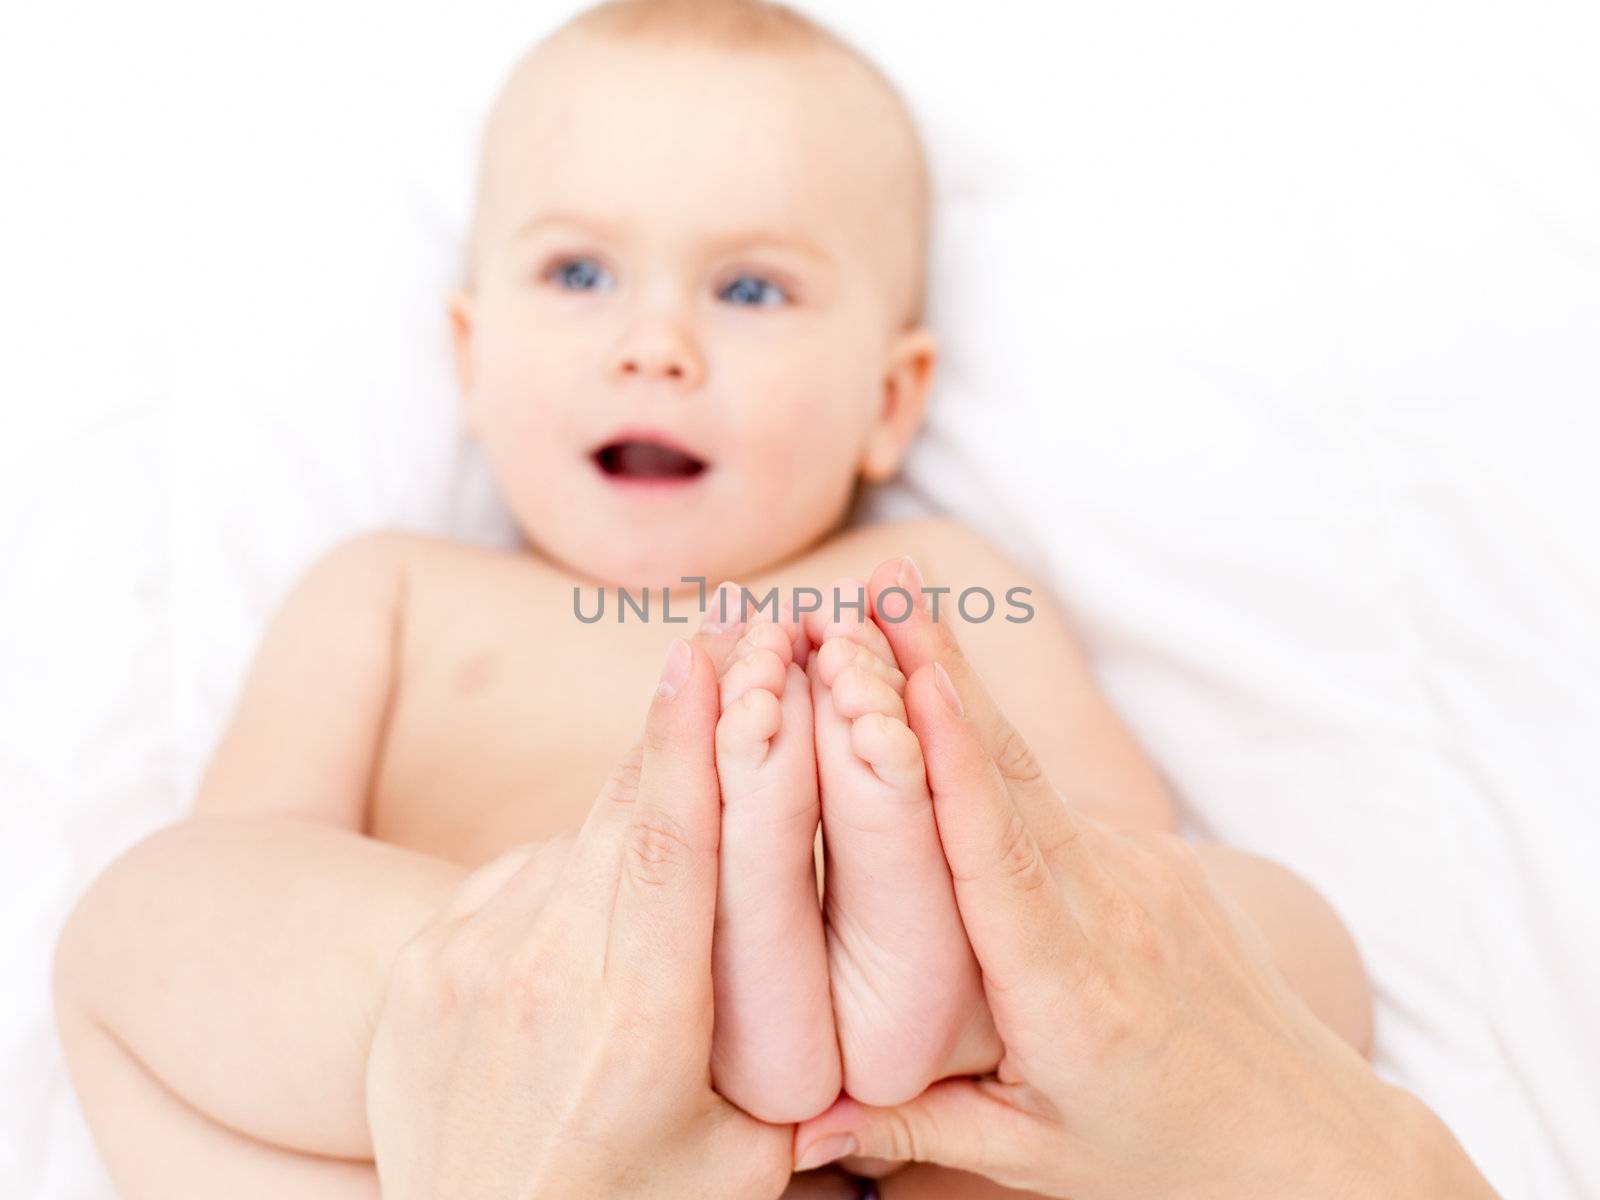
(901, 610)
(1017, 919)
(587, 891)
(982, 1126)
(660, 940)
(741, 610)
(592, 869)
(721, 626)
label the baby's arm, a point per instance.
(228, 967)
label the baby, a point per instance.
(691, 330)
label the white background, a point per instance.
(1272, 342)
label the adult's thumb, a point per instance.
(957, 1123)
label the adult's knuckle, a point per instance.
(1136, 931)
(658, 848)
(1014, 759)
(623, 783)
(1115, 1017)
(1147, 942)
(526, 988)
(1062, 841)
(903, 1140)
(1022, 863)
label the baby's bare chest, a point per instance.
(510, 711)
(506, 723)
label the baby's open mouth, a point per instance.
(646, 460)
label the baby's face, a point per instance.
(688, 333)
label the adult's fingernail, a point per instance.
(722, 609)
(826, 1150)
(947, 689)
(676, 670)
(911, 578)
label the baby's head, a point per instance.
(692, 317)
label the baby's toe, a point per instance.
(746, 729)
(764, 635)
(845, 606)
(887, 745)
(863, 631)
(794, 629)
(815, 621)
(759, 668)
(837, 653)
(857, 691)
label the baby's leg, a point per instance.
(908, 997)
(774, 1053)
(1307, 939)
(156, 1147)
(236, 964)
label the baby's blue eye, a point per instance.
(581, 275)
(753, 290)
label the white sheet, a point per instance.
(1271, 342)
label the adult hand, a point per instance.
(549, 1034)
(1151, 1047)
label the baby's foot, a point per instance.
(907, 994)
(774, 1053)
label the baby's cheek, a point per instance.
(807, 453)
(813, 419)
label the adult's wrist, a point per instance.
(1375, 1142)
(1417, 1158)
(1440, 1166)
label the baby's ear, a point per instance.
(460, 309)
(906, 382)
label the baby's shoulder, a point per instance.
(403, 557)
(946, 550)
(437, 559)
(434, 580)
(427, 554)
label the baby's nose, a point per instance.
(659, 351)
(639, 364)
